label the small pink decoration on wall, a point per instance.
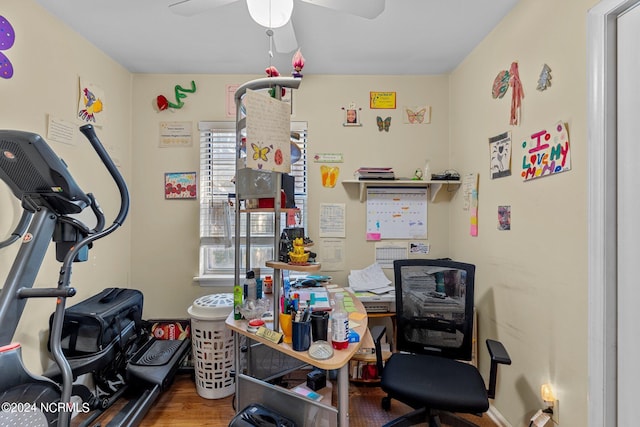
(516, 94)
(180, 185)
(546, 153)
(7, 38)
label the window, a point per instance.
(217, 192)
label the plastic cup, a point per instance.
(285, 325)
(319, 325)
(301, 336)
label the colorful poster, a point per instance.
(546, 153)
(180, 185)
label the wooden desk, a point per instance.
(392, 316)
(339, 361)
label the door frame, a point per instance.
(602, 209)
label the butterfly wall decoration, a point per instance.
(260, 153)
(417, 115)
(7, 38)
(383, 125)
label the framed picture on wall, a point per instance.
(180, 185)
(351, 115)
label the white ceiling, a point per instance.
(409, 37)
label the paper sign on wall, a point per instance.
(268, 133)
(546, 153)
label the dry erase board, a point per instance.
(397, 213)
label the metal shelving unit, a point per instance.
(276, 84)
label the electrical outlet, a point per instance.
(555, 417)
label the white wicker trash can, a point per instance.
(212, 345)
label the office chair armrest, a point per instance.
(378, 332)
(499, 355)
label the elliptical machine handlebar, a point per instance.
(20, 229)
(65, 271)
(89, 132)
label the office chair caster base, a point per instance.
(386, 403)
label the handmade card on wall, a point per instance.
(546, 152)
(268, 133)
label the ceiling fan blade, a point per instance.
(365, 8)
(194, 7)
(284, 38)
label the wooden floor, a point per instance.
(181, 405)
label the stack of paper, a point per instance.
(371, 279)
(374, 173)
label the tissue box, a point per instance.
(316, 380)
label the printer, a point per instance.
(377, 303)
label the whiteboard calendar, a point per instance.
(397, 213)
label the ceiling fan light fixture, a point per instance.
(270, 13)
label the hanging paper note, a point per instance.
(546, 153)
(268, 133)
(473, 213)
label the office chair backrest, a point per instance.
(434, 307)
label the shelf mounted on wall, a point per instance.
(434, 187)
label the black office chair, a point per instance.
(435, 315)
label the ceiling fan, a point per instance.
(268, 12)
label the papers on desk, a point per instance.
(370, 279)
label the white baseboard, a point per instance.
(497, 417)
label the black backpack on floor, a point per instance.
(113, 316)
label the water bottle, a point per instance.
(339, 324)
(250, 286)
(237, 301)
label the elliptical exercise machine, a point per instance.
(49, 195)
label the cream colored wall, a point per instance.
(165, 233)
(531, 282)
(48, 59)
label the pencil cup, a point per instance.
(301, 336)
(285, 325)
(319, 325)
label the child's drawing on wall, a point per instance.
(504, 217)
(500, 148)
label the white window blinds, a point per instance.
(217, 190)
